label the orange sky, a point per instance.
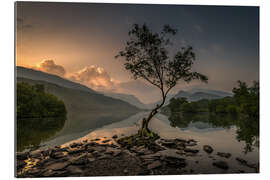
(81, 38)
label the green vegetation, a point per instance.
(245, 101)
(34, 102)
(146, 55)
(241, 110)
(39, 115)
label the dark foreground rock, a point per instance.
(208, 149)
(221, 164)
(225, 155)
(133, 155)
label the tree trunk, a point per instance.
(144, 129)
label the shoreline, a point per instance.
(109, 157)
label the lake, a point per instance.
(223, 137)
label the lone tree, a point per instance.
(146, 56)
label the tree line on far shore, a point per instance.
(34, 102)
(245, 100)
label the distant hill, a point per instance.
(131, 99)
(196, 96)
(211, 91)
(86, 109)
(39, 75)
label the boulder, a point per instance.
(221, 164)
(208, 149)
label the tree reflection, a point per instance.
(247, 127)
(32, 131)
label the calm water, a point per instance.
(222, 139)
(225, 134)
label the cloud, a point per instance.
(94, 77)
(50, 67)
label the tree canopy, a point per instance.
(146, 56)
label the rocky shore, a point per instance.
(132, 155)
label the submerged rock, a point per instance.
(225, 155)
(208, 149)
(191, 150)
(221, 164)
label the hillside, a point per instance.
(196, 96)
(131, 99)
(39, 75)
(86, 110)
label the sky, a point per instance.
(79, 41)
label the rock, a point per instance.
(116, 152)
(221, 164)
(80, 160)
(114, 136)
(75, 151)
(242, 161)
(58, 166)
(99, 149)
(104, 157)
(20, 164)
(85, 141)
(74, 170)
(154, 165)
(73, 145)
(35, 154)
(91, 159)
(51, 173)
(125, 171)
(43, 161)
(57, 155)
(33, 171)
(191, 150)
(105, 141)
(171, 145)
(225, 155)
(174, 161)
(208, 149)
(22, 155)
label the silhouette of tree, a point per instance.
(146, 56)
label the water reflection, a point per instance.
(32, 131)
(247, 128)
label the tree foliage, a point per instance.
(34, 102)
(146, 56)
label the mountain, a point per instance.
(86, 109)
(181, 94)
(131, 99)
(211, 91)
(196, 96)
(42, 76)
